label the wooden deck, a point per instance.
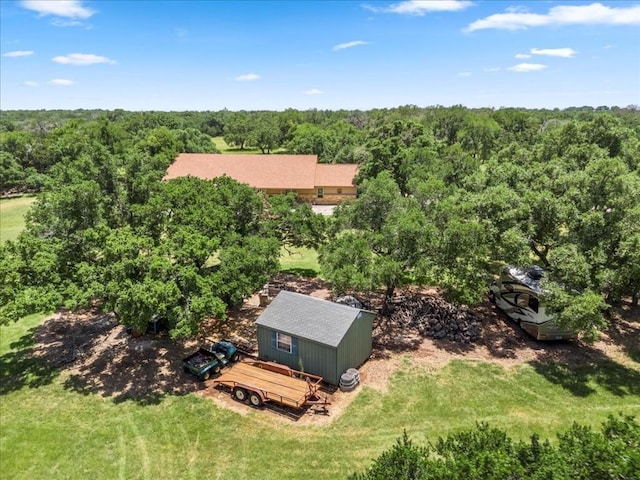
(276, 387)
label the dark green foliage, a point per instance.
(447, 196)
(403, 461)
(293, 223)
(488, 453)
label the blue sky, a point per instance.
(265, 55)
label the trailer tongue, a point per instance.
(262, 382)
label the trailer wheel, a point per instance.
(235, 357)
(216, 369)
(239, 394)
(206, 375)
(255, 399)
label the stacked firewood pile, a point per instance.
(436, 318)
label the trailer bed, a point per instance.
(274, 383)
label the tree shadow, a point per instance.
(578, 367)
(139, 369)
(581, 378)
(624, 329)
(307, 285)
(96, 355)
(300, 272)
(19, 367)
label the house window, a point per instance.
(339, 191)
(283, 342)
(320, 192)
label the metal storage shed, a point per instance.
(314, 335)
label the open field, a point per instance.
(118, 407)
(12, 211)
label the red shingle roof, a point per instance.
(335, 174)
(264, 171)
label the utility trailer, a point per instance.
(267, 382)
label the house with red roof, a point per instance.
(313, 182)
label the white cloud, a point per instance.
(59, 8)
(247, 77)
(61, 82)
(594, 14)
(421, 7)
(355, 43)
(31, 83)
(554, 52)
(464, 74)
(313, 91)
(19, 53)
(522, 55)
(81, 59)
(527, 67)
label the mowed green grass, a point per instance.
(12, 212)
(301, 261)
(224, 147)
(51, 431)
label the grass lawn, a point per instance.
(225, 148)
(12, 211)
(301, 261)
(50, 430)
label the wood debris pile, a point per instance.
(436, 318)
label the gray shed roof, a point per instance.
(310, 318)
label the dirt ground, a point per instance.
(98, 356)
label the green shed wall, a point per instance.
(311, 357)
(356, 345)
(324, 360)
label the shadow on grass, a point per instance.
(580, 379)
(119, 366)
(624, 329)
(97, 356)
(300, 272)
(19, 367)
(580, 368)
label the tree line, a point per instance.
(446, 197)
(580, 453)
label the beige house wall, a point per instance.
(331, 195)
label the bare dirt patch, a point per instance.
(98, 356)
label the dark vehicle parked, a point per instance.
(209, 361)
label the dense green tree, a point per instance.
(293, 223)
(238, 129)
(396, 233)
(489, 453)
(12, 174)
(265, 133)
